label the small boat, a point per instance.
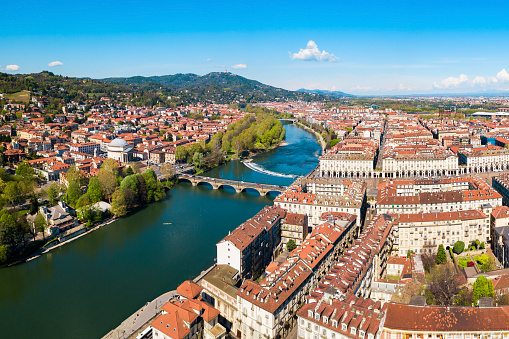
(167, 223)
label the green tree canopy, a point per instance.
(291, 245)
(94, 190)
(108, 183)
(459, 246)
(73, 193)
(483, 287)
(24, 170)
(441, 255)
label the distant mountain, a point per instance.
(217, 86)
(334, 94)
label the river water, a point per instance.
(86, 288)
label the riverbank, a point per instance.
(44, 250)
(317, 135)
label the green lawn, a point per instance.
(463, 261)
(23, 96)
(392, 277)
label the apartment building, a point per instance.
(346, 317)
(266, 307)
(220, 286)
(86, 147)
(250, 247)
(363, 261)
(315, 196)
(501, 184)
(486, 158)
(294, 227)
(423, 232)
(437, 195)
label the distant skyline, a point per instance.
(363, 47)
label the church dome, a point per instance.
(119, 142)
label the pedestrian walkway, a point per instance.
(140, 317)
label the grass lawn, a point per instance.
(463, 261)
(23, 96)
(392, 277)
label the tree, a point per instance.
(441, 255)
(8, 231)
(155, 190)
(24, 170)
(34, 205)
(502, 300)
(180, 153)
(119, 202)
(110, 165)
(11, 192)
(442, 284)
(108, 183)
(464, 298)
(167, 171)
(94, 190)
(459, 246)
(129, 171)
(429, 259)
(41, 224)
(73, 193)
(197, 159)
(291, 245)
(130, 182)
(483, 287)
(4, 253)
(74, 174)
(53, 192)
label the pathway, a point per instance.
(140, 317)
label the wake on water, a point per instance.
(258, 168)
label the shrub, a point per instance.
(459, 246)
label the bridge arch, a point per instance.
(224, 186)
(183, 179)
(252, 189)
(273, 193)
(204, 183)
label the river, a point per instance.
(86, 288)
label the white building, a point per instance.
(120, 150)
(424, 232)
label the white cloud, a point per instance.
(208, 60)
(406, 88)
(11, 67)
(55, 63)
(503, 75)
(480, 81)
(312, 53)
(452, 82)
(239, 66)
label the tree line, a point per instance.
(252, 133)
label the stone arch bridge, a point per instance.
(239, 186)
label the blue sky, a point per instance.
(359, 47)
